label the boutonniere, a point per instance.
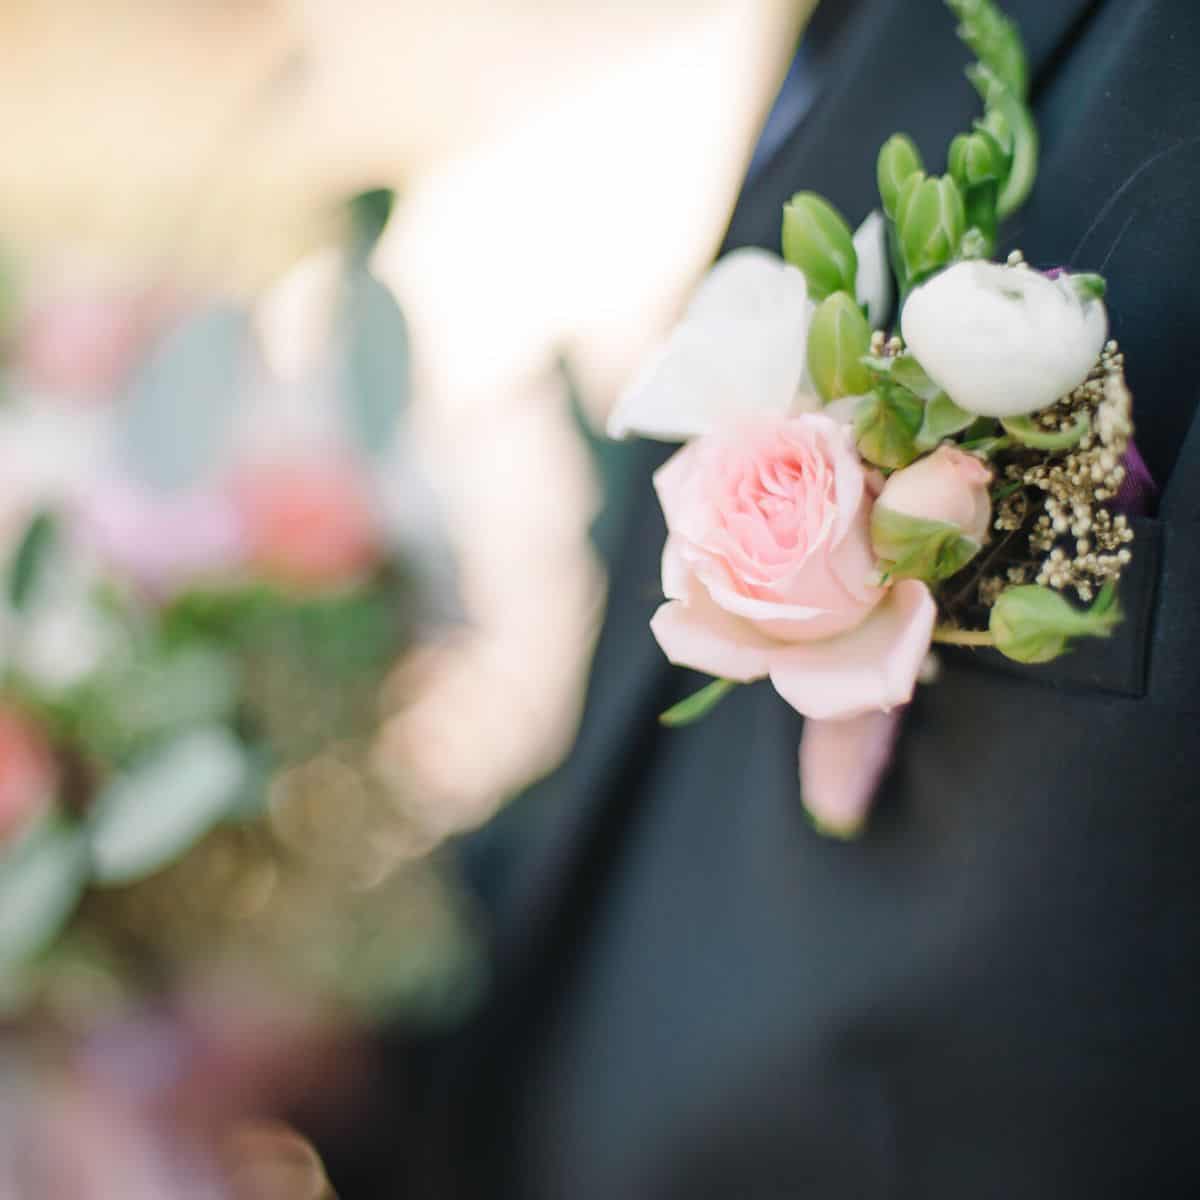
(848, 496)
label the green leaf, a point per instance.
(30, 557)
(377, 361)
(370, 212)
(943, 419)
(838, 338)
(156, 694)
(165, 801)
(1089, 286)
(177, 410)
(994, 39)
(999, 96)
(698, 704)
(915, 548)
(886, 425)
(1033, 624)
(41, 879)
(1025, 431)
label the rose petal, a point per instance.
(873, 666)
(841, 764)
(695, 633)
(739, 350)
(674, 570)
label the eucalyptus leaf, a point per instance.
(1025, 431)
(161, 692)
(176, 412)
(1033, 624)
(904, 370)
(165, 801)
(943, 419)
(886, 424)
(41, 879)
(377, 361)
(36, 545)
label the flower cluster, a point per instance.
(207, 571)
(845, 497)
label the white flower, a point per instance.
(1003, 341)
(741, 345)
(873, 286)
(739, 349)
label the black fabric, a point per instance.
(992, 992)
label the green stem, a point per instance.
(947, 636)
(698, 704)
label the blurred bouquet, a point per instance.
(210, 562)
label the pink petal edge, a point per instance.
(841, 765)
(873, 666)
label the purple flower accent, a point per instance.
(1137, 494)
(164, 542)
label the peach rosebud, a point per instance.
(27, 775)
(948, 485)
(932, 517)
(309, 524)
(86, 343)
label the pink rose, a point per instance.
(27, 775)
(768, 571)
(310, 524)
(166, 542)
(949, 486)
(86, 343)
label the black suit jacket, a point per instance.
(992, 992)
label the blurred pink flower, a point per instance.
(166, 541)
(85, 343)
(309, 524)
(27, 774)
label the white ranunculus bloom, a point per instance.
(739, 349)
(874, 283)
(1003, 341)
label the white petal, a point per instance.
(874, 283)
(739, 349)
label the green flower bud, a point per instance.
(1015, 131)
(978, 164)
(818, 241)
(998, 129)
(975, 159)
(1033, 624)
(898, 159)
(913, 548)
(886, 426)
(930, 220)
(838, 338)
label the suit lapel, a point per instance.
(897, 65)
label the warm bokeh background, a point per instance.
(564, 170)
